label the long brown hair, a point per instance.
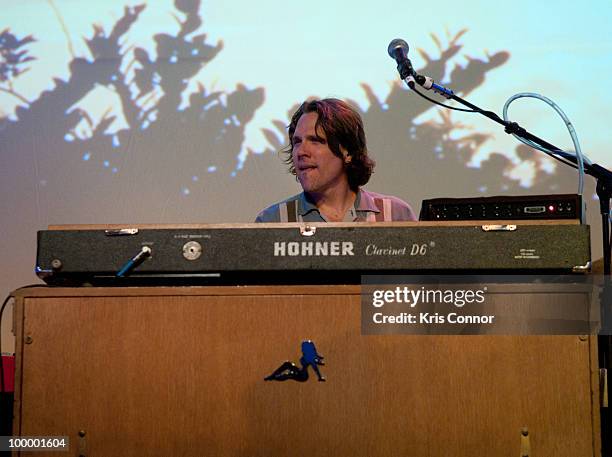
(343, 128)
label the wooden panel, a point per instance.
(150, 373)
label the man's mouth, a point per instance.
(306, 167)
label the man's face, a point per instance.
(318, 168)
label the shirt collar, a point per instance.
(363, 202)
(305, 206)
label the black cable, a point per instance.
(609, 238)
(605, 223)
(6, 300)
(560, 159)
(32, 286)
(442, 104)
(484, 112)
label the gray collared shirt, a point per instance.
(368, 207)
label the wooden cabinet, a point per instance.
(180, 371)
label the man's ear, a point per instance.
(345, 154)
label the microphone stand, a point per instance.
(604, 192)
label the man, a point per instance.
(327, 152)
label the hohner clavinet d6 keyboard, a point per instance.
(302, 252)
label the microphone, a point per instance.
(398, 51)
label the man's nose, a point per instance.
(303, 149)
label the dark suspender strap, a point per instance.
(292, 211)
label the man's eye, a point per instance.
(297, 141)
